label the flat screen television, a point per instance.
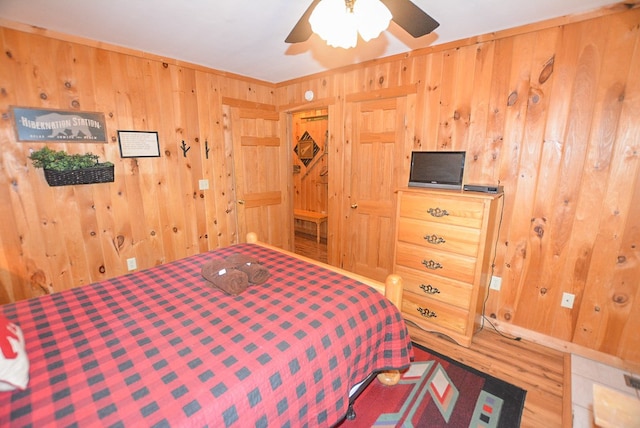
(443, 170)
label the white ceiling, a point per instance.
(246, 37)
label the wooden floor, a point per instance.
(544, 373)
(306, 245)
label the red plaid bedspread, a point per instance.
(160, 348)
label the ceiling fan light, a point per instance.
(372, 18)
(334, 23)
(343, 37)
(322, 18)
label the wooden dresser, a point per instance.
(444, 249)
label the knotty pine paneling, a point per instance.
(55, 238)
(550, 112)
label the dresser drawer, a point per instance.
(436, 287)
(441, 209)
(424, 311)
(436, 262)
(457, 239)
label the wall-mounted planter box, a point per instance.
(63, 169)
(96, 174)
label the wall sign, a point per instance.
(139, 144)
(36, 124)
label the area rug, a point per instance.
(439, 392)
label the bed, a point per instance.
(162, 347)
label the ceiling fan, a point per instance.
(406, 14)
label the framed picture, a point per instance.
(64, 126)
(305, 149)
(139, 144)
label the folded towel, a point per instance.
(256, 273)
(224, 276)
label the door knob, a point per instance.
(354, 206)
(241, 201)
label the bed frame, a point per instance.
(391, 289)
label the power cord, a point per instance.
(493, 266)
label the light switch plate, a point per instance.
(203, 184)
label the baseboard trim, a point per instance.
(564, 346)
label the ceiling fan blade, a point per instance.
(302, 30)
(410, 17)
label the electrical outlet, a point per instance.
(496, 283)
(632, 382)
(131, 263)
(203, 184)
(567, 300)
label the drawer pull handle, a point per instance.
(437, 212)
(434, 239)
(427, 313)
(429, 289)
(431, 264)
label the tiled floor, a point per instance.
(584, 373)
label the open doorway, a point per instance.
(310, 132)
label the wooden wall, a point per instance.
(54, 238)
(549, 111)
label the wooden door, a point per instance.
(376, 129)
(260, 159)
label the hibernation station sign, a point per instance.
(58, 125)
